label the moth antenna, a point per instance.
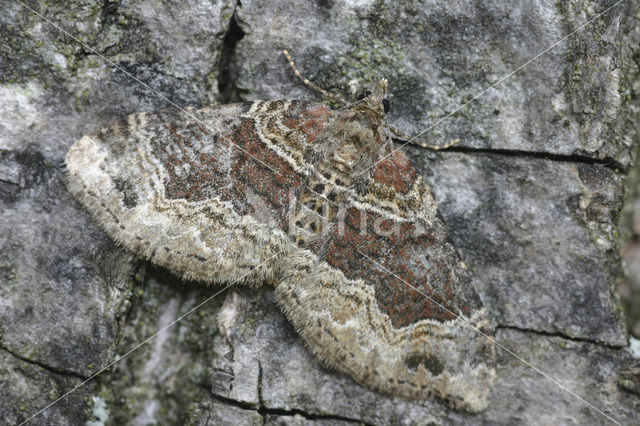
(310, 84)
(400, 134)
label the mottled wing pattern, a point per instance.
(204, 192)
(390, 302)
(315, 202)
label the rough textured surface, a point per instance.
(553, 248)
(630, 227)
(438, 56)
(26, 385)
(572, 109)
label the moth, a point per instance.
(315, 202)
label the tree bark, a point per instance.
(542, 95)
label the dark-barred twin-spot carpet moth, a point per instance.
(315, 201)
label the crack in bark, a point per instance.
(8, 182)
(561, 335)
(227, 69)
(264, 411)
(125, 318)
(560, 158)
(108, 14)
(261, 404)
(42, 365)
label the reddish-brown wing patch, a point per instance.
(395, 171)
(234, 165)
(425, 261)
(306, 118)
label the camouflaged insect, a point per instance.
(314, 201)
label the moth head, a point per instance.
(375, 101)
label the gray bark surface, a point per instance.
(532, 196)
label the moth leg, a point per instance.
(400, 134)
(311, 85)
